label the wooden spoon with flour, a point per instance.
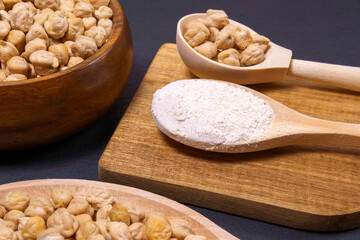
(224, 117)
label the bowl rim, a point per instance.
(116, 32)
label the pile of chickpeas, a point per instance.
(94, 217)
(41, 37)
(215, 38)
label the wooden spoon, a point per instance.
(148, 202)
(287, 127)
(276, 65)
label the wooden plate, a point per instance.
(149, 201)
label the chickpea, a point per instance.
(78, 205)
(4, 29)
(83, 10)
(218, 17)
(225, 40)
(103, 212)
(196, 34)
(136, 214)
(44, 62)
(180, 227)
(206, 21)
(39, 206)
(119, 213)
(15, 77)
(98, 34)
(136, 230)
(7, 233)
(68, 45)
(18, 235)
(157, 226)
(195, 237)
(15, 201)
(57, 25)
(76, 27)
(8, 224)
(65, 222)
(5, 16)
(14, 216)
(83, 218)
(242, 38)
(262, 41)
(84, 47)
(119, 230)
(230, 57)
(86, 230)
(22, 221)
(67, 5)
(89, 22)
(10, 3)
(22, 16)
(7, 51)
(107, 24)
(32, 9)
(33, 46)
(50, 234)
(43, 16)
(102, 224)
(17, 38)
(207, 49)
(98, 198)
(103, 12)
(37, 31)
(252, 55)
(3, 76)
(74, 61)
(60, 197)
(99, 3)
(17, 65)
(214, 33)
(52, 4)
(33, 227)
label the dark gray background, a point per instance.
(323, 30)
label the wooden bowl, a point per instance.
(147, 201)
(46, 109)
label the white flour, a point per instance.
(210, 111)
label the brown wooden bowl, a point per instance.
(46, 109)
(147, 201)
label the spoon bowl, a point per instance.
(288, 127)
(275, 67)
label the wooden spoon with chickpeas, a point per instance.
(215, 47)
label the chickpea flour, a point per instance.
(211, 111)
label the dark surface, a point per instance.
(324, 31)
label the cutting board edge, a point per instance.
(242, 207)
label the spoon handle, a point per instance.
(329, 133)
(330, 74)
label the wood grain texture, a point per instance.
(146, 201)
(334, 75)
(47, 109)
(301, 187)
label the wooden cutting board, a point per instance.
(302, 187)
